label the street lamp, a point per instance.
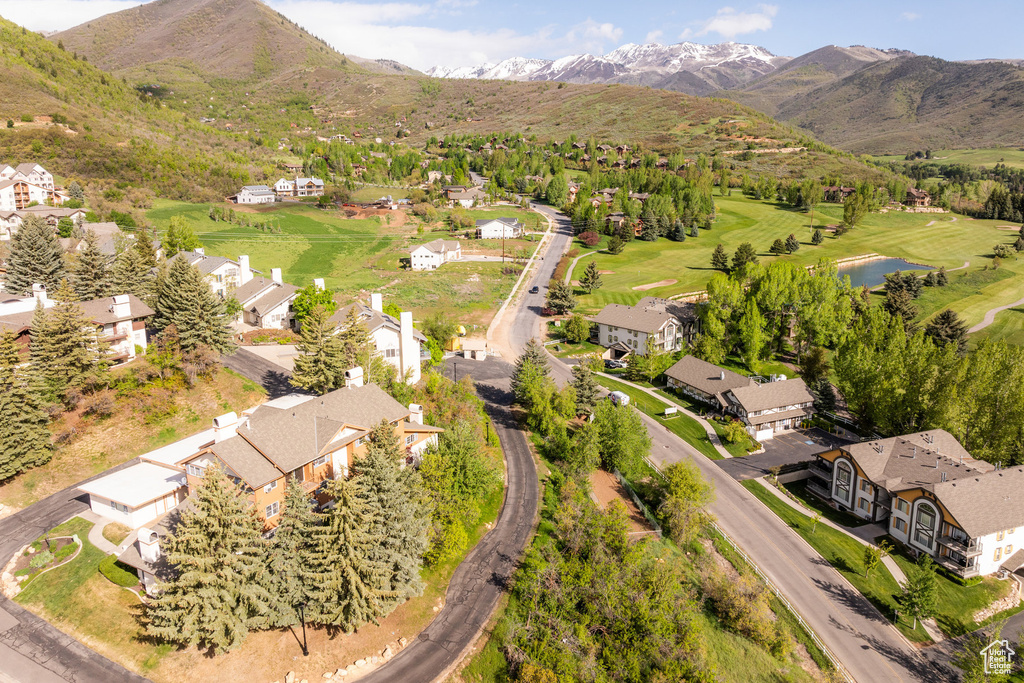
(302, 618)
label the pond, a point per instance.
(872, 273)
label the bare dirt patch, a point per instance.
(606, 488)
(654, 285)
(606, 272)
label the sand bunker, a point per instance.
(606, 272)
(654, 285)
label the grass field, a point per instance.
(945, 243)
(975, 157)
(353, 255)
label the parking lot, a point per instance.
(795, 446)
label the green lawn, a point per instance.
(905, 235)
(975, 157)
(683, 426)
(371, 193)
(815, 504)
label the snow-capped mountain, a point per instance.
(713, 67)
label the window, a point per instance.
(297, 474)
(844, 476)
(391, 353)
(322, 460)
(865, 486)
(359, 441)
(1001, 535)
(900, 524)
(864, 504)
(998, 554)
(272, 510)
(902, 505)
(924, 528)
(118, 506)
(270, 487)
(1009, 550)
(195, 471)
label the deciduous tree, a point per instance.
(310, 297)
(686, 501)
(577, 328)
(180, 236)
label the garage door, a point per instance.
(763, 435)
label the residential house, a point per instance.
(27, 183)
(312, 441)
(266, 303)
(11, 221)
(120, 321)
(466, 198)
(836, 194)
(574, 189)
(933, 496)
(138, 494)
(395, 339)
(254, 194)
(223, 274)
(29, 171)
(623, 149)
(299, 187)
(766, 408)
(579, 145)
(498, 228)
(107, 235)
(626, 329)
(434, 254)
(917, 198)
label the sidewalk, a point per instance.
(712, 434)
(96, 532)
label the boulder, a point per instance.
(289, 677)
(329, 675)
(387, 654)
(360, 663)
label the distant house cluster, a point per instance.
(26, 183)
(299, 187)
(11, 221)
(765, 407)
(466, 197)
(933, 496)
(625, 330)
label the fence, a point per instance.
(651, 519)
(778, 594)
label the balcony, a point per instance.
(960, 570)
(818, 488)
(969, 548)
(818, 468)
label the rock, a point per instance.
(360, 663)
(387, 654)
(329, 675)
(289, 677)
(374, 659)
(402, 642)
(340, 673)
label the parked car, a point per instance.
(534, 290)
(619, 398)
(614, 364)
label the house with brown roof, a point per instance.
(704, 381)
(312, 442)
(625, 330)
(917, 198)
(933, 496)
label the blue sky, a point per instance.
(465, 32)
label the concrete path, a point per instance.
(96, 532)
(572, 264)
(990, 316)
(708, 429)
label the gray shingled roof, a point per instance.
(684, 311)
(986, 503)
(99, 310)
(767, 395)
(633, 317)
(274, 298)
(253, 289)
(205, 264)
(915, 460)
(373, 320)
(511, 222)
(706, 377)
(439, 245)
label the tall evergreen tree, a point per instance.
(24, 437)
(90, 277)
(586, 388)
(792, 243)
(291, 579)
(321, 363)
(591, 278)
(355, 340)
(529, 364)
(399, 518)
(818, 237)
(218, 592)
(144, 245)
(65, 350)
(744, 254)
(942, 279)
(561, 298)
(719, 259)
(130, 274)
(948, 328)
(185, 301)
(35, 257)
(778, 247)
(348, 583)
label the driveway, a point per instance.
(787, 448)
(267, 374)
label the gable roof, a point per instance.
(510, 222)
(705, 377)
(29, 167)
(684, 311)
(754, 397)
(252, 289)
(100, 311)
(642, 319)
(246, 461)
(986, 503)
(204, 263)
(439, 246)
(281, 293)
(373, 320)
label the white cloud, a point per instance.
(910, 16)
(654, 36)
(57, 15)
(729, 23)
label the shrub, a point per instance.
(26, 118)
(118, 573)
(65, 552)
(41, 560)
(101, 405)
(590, 238)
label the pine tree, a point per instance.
(930, 280)
(778, 247)
(694, 231)
(561, 298)
(586, 388)
(144, 245)
(744, 254)
(89, 273)
(825, 396)
(719, 259)
(818, 237)
(24, 437)
(399, 519)
(948, 328)
(591, 278)
(35, 257)
(792, 243)
(321, 363)
(218, 592)
(64, 349)
(679, 231)
(185, 301)
(289, 559)
(942, 279)
(615, 245)
(530, 363)
(347, 583)
(130, 274)
(355, 341)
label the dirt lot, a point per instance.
(606, 488)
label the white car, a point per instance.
(619, 398)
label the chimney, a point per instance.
(39, 292)
(377, 302)
(354, 377)
(224, 427)
(409, 350)
(121, 308)
(149, 545)
(275, 275)
(245, 272)
(200, 250)
(721, 375)
(416, 413)
(318, 283)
